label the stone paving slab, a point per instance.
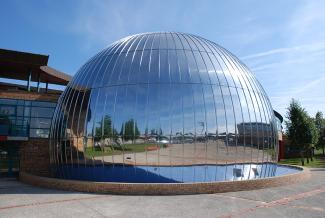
(317, 180)
(298, 200)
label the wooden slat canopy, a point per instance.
(19, 65)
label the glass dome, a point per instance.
(163, 100)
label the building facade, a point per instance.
(27, 104)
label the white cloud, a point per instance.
(307, 24)
(313, 47)
(297, 69)
(99, 22)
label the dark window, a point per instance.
(42, 112)
(43, 104)
(39, 133)
(40, 122)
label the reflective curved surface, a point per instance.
(175, 174)
(162, 99)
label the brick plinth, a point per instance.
(163, 188)
(34, 157)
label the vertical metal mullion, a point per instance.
(203, 95)
(194, 100)
(238, 68)
(159, 89)
(127, 87)
(99, 62)
(58, 112)
(82, 97)
(216, 119)
(134, 53)
(235, 115)
(136, 85)
(71, 94)
(274, 132)
(209, 43)
(62, 124)
(52, 138)
(111, 54)
(135, 123)
(216, 114)
(171, 138)
(126, 54)
(94, 66)
(188, 70)
(151, 84)
(106, 53)
(146, 125)
(174, 92)
(146, 112)
(260, 104)
(66, 125)
(232, 103)
(102, 140)
(217, 132)
(113, 122)
(237, 90)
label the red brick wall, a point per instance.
(34, 157)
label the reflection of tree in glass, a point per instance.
(131, 130)
(202, 125)
(155, 132)
(105, 128)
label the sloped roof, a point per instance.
(18, 65)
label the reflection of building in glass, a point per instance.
(162, 99)
(258, 134)
(279, 120)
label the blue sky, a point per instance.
(283, 42)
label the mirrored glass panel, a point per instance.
(157, 107)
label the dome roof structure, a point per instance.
(158, 100)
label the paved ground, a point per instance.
(298, 200)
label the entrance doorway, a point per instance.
(9, 159)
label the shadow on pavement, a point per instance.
(14, 186)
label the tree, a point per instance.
(300, 128)
(314, 140)
(320, 128)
